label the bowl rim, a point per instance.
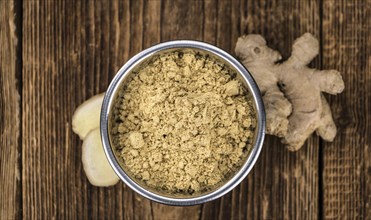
(238, 176)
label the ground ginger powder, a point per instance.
(183, 124)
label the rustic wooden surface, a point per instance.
(56, 54)
(10, 108)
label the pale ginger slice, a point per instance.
(87, 116)
(295, 106)
(94, 160)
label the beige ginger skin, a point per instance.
(292, 92)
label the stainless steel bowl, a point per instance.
(125, 74)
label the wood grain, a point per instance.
(282, 184)
(176, 23)
(9, 114)
(346, 161)
(66, 59)
(67, 51)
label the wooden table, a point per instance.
(55, 54)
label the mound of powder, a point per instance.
(183, 124)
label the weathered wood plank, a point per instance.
(181, 20)
(346, 161)
(289, 188)
(151, 34)
(178, 20)
(210, 210)
(282, 184)
(142, 206)
(10, 187)
(71, 52)
(121, 39)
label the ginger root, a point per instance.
(85, 123)
(87, 116)
(294, 104)
(95, 163)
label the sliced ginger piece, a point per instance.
(94, 160)
(87, 116)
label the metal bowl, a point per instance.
(125, 74)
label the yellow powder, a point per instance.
(183, 124)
